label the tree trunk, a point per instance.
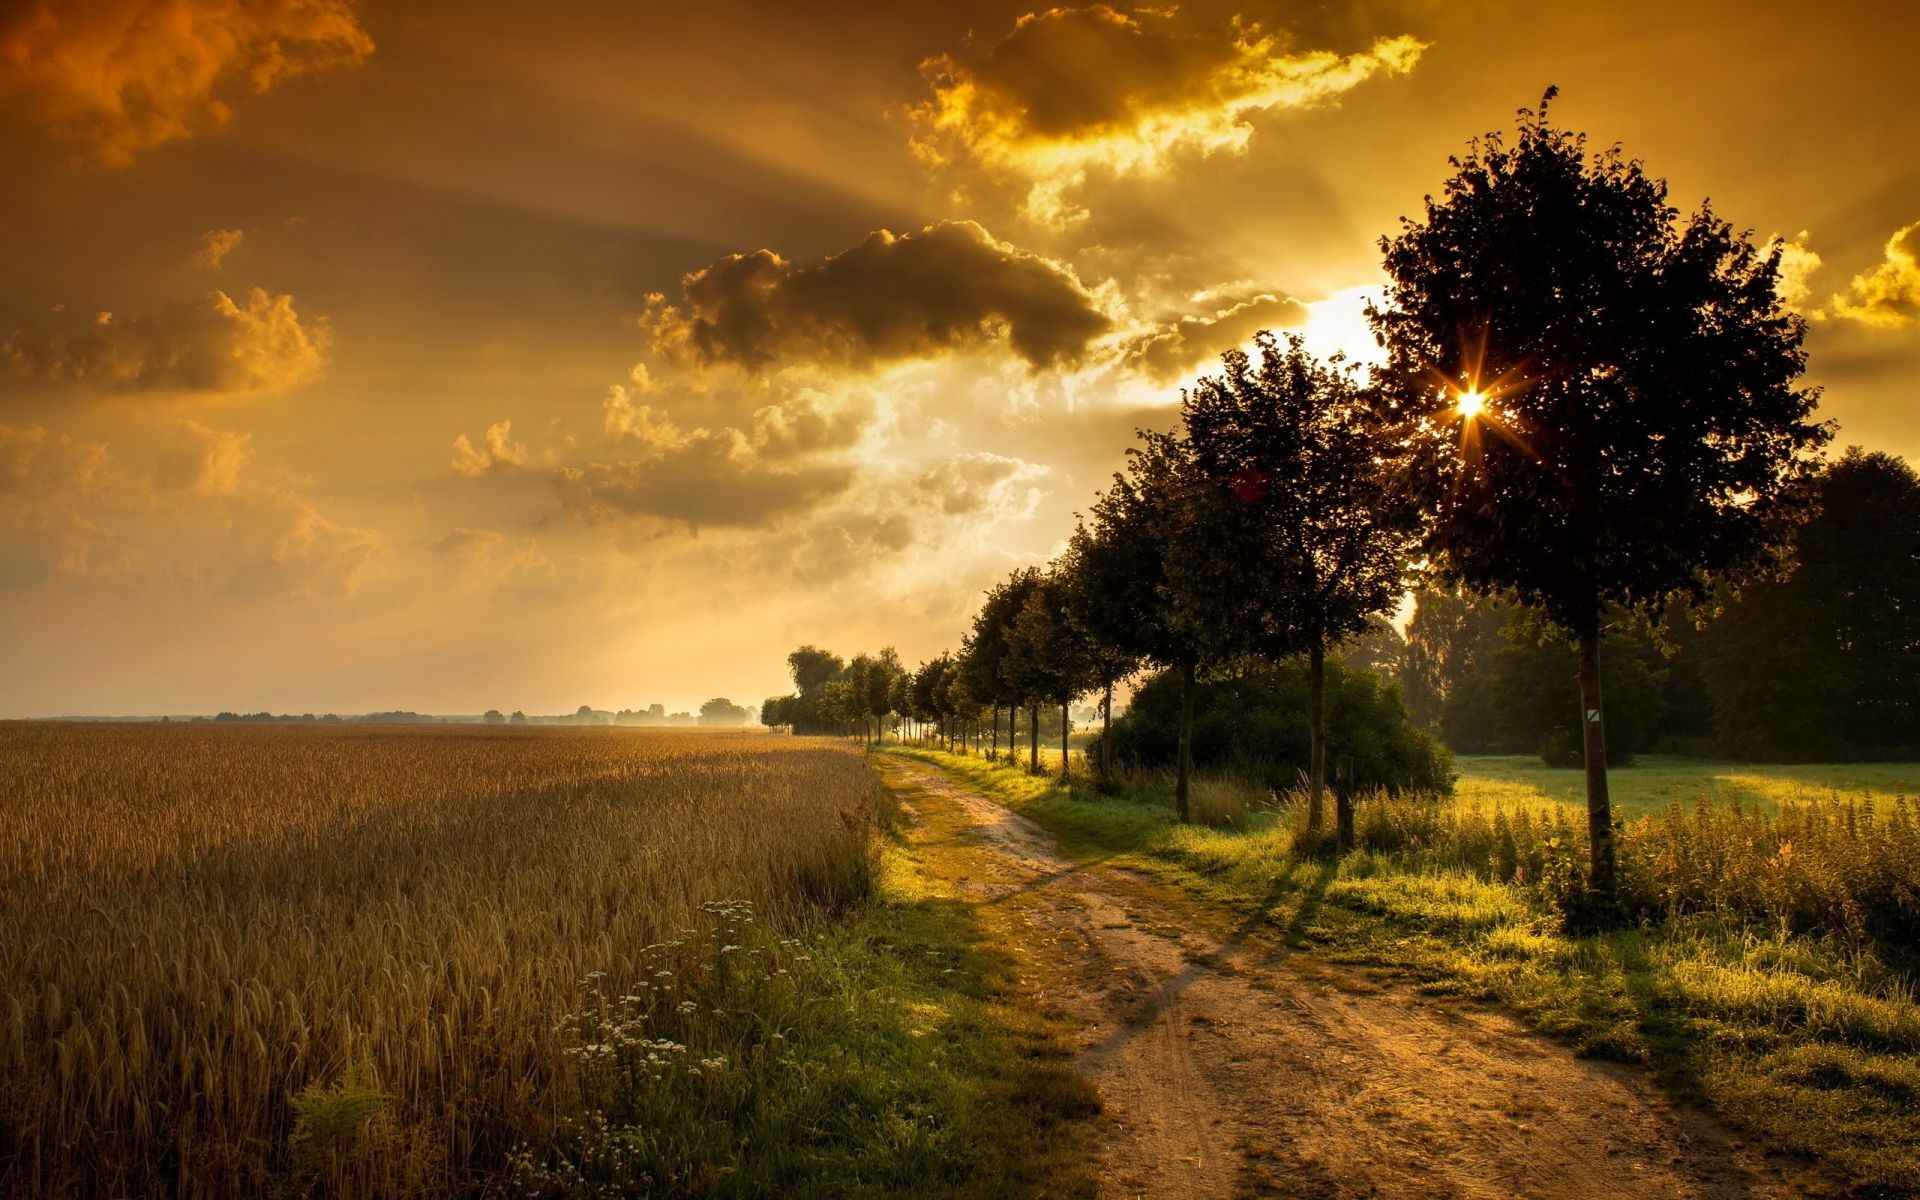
(1600, 880)
(993, 754)
(1181, 806)
(1316, 739)
(1063, 740)
(1033, 739)
(1106, 734)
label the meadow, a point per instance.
(253, 960)
(1765, 967)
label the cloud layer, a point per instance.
(213, 344)
(1192, 340)
(916, 295)
(785, 462)
(1888, 295)
(117, 77)
(1073, 88)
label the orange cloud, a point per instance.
(207, 517)
(783, 463)
(1170, 352)
(1889, 295)
(916, 295)
(1074, 88)
(213, 344)
(117, 77)
(499, 452)
(215, 245)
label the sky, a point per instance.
(457, 355)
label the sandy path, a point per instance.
(1229, 1066)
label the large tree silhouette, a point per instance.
(1595, 398)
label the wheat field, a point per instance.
(199, 923)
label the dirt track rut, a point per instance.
(1229, 1066)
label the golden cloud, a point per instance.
(1076, 88)
(207, 516)
(49, 486)
(209, 345)
(1889, 295)
(781, 464)
(498, 452)
(215, 245)
(121, 76)
(918, 295)
(270, 538)
(993, 485)
(1187, 342)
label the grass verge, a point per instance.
(1806, 1043)
(891, 1051)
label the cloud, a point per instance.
(49, 485)
(486, 554)
(498, 453)
(986, 485)
(215, 245)
(269, 538)
(1798, 261)
(1123, 90)
(1889, 295)
(1198, 338)
(206, 516)
(209, 345)
(948, 287)
(784, 462)
(117, 77)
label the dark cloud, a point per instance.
(120, 76)
(209, 345)
(1071, 88)
(1195, 339)
(916, 295)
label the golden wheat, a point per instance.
(199, 922)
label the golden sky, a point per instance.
(452, 355)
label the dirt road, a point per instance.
(1229, 1066)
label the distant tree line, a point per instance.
(1590, 410)
(717, 712)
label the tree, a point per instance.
(1594, 400)
(722, 711)
(1448, 637)
(1050, 655)
(777, 711)
(1183, 606)
(812, 667)
(1097, 575)
(1825, 662)
(984, 654)
(518, 718)
(494, 717)
(1294, 443)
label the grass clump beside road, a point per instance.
(891, 1051)
(1767, 971)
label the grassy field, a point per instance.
(1801, 1030)
(1655, 780)
(258, 960)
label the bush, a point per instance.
(1255, 722)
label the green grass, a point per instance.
(1655, 780)
(891, 1051)
(1809, 1043)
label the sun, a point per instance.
(1471, 404)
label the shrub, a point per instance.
(1255, 722)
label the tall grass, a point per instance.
(239, 960)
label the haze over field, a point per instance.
(448, 356)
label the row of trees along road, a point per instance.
(1589, 404)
